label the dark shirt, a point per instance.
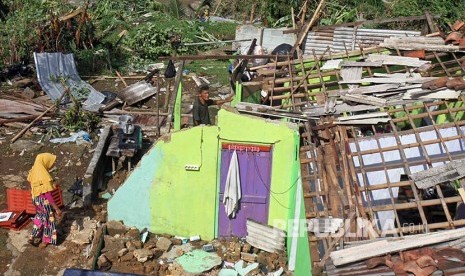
(201, 115)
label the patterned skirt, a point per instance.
(44, 220)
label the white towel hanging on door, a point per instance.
(232, 187)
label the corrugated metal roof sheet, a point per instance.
(51, 67)
(342, 38)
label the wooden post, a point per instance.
(17, 136)
(303, 33)
(158, 103)
(172, 99)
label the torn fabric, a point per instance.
(232, 189)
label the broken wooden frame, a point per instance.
(336, 166)
(300, 82)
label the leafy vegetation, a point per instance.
(76, 119)
(108, 35)
(129, 34)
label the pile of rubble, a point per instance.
(116, 247)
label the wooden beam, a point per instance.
(379, 248)
(204, 57)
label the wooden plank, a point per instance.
(419, 46)
(173, 95)
(397, 60)
(379, 248)
(362, 64)
(364, 99)
(340, 108)
(364, 116)
(16, 107)
(374, 88)
(451, 171)
(418, 39)
(369, 121)
(390, 80)
(222, 57)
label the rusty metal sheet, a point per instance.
(137, 92)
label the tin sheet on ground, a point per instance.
(55, 68)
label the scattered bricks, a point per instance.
(168, 236)
(237, 247)
(163, 243)
(133, 234)
(250, 258)
(179, 252)
(255, 250)
(261, 258)
(138, 269)
(150, 244)
(246, 248)
(274, 256)
(130, 246)
(163, 269)
(138, 244)
(112, 244)
(176, 241)
(126, 258)
(282, 261)
(116, 227)
(123, 252)
(157, 253)
(270, 264)
(103, 263)
(142, 255)
(149, 267)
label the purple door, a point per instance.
(255, 175)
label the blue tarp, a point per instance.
(55, 68)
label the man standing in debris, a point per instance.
(201, 104)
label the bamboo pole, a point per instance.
(17, 136)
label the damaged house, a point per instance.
(179, 186)
(375, 151)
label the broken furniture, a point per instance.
(126, 140)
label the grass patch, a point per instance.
(218, 69)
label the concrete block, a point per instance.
(250, 258)
(163, 243)
(116, 227)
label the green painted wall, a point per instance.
(130, 203)
(184, 202)
(297, 232)
(173, 200)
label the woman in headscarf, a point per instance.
(46, 210)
